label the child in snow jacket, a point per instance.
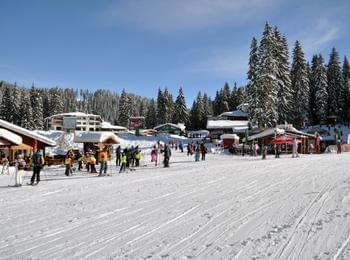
(123, 160)
(137, 158)
(92, 164)
(103, 161)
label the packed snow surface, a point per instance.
(222, 208)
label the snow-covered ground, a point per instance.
(223, 208)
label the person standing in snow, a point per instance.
(295, 147)
(117, 154)
(20, 165)
(338, 146)
(92, 164)
(154, 155)
(80, 161)
(167, 154)
(137, 158)
(197, 150)
(181, 147)
(203, 150)
(123, 160)
(68, 162)
(37, 162)
(264, 152)
(103, 161)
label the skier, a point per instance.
(137, 158)
(123, 160)
(167, 154)
(37, 162)
(203, 151)
(103, 161)
(278, 151)
(154, 155)
(117, 153)
(21, 164)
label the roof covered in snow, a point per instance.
(108, 125)
(226, 124)
(267, 132)
(10, 137)
(229, 136)
(20, 130)
(96, 137)
(235, 113)
(181, 127)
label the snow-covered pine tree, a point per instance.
(312, 92)
(26, 111)
(161, 108)
(169, 105)
(283, 76)
(5, 103)
(56, 101)
(180, 112)
(319, 82)
(208, 107)
(266, 113)
(124, 109)
(216, 104)
(252, 87)
(193, 122)
(300, 87)
(224, 100)
(37, 107)
(11, 102)
(335, 82)
(151, 115)
(346, 88)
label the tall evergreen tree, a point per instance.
(151, 116)
(252, 88)
(26, 112)
(346, 90)
(180, 112)
(335, 84)
(56, 101)
(300, 87)
(161, 108)
(266, 113)
(37, 108)
(319, 82)
(284, 96)
(124, 109)
(169, 106)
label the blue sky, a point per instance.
(141, 45)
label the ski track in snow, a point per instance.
(222, 208)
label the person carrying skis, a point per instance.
(167, 154)
(37, 162)
(103, 161)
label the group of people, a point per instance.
(198, 149)
(128, 157)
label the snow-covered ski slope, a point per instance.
(223, 208)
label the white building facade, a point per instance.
(73, 121)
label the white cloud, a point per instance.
(221, 63)
(319, 34)
(179, 15)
